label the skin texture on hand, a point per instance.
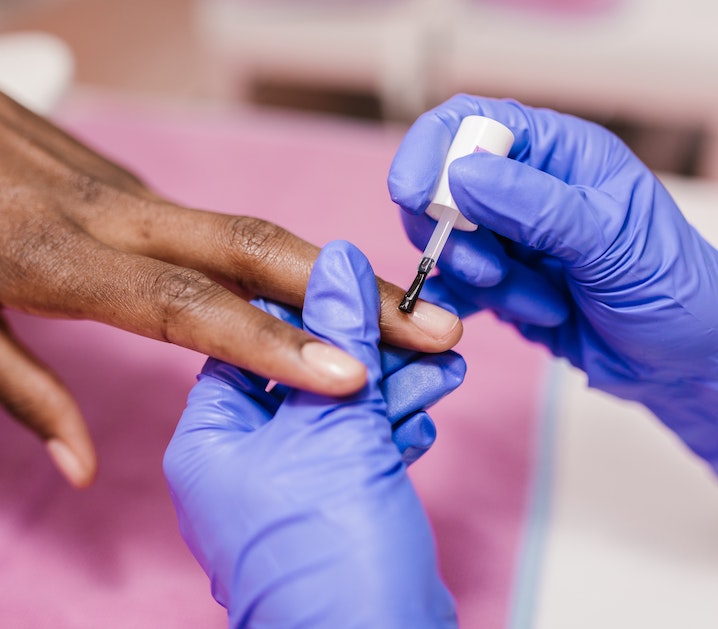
(583, 250)
(83, 238)
(297, 505)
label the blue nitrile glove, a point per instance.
(411, 382)
(298, 506)
(582, 248)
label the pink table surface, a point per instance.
(112, 556)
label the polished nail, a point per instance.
(434, 321)
(332, 362)
(67, 462)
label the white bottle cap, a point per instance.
(475, 134)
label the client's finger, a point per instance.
(257, 258)
(34, 396)
(185, 307)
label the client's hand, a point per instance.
(82, 238)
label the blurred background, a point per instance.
(591, 523)
(648, 70)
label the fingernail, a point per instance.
(332, 361)
(67, 462)
(434, 321)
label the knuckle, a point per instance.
(257, 246)
(257, 239)
(182, 291)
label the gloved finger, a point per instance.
(342, 307)
(417, 165)
(555, 143)
(422, 383)
(523, 295)
(285, 313)
(415, 386)
(543, 213)
(411, 382)
(561, 341)
(414, 436)
(245, 382)
(515, 299)
(558, 144)
(394, 358)
(476, 257)
(438, 292)
(226, 400)
(34, 396)
(226, 406)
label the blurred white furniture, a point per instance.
(375, 46)
(35, 69)
(655, 62)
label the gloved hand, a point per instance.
(411, 382)
(298, 506)
(583, 250)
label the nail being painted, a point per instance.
(475, 134)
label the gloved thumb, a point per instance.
(534, 208)
(341, 307)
